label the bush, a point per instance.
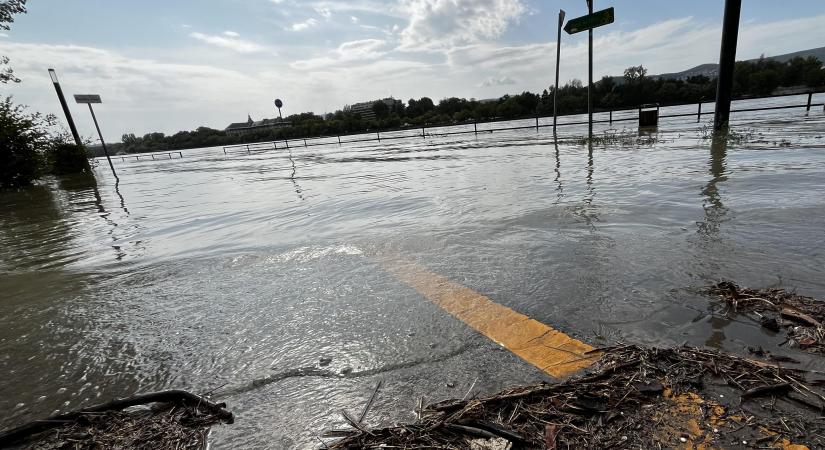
(64, 158)
(21, 135)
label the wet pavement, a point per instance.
(239, 273)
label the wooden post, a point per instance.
(422, 133)
(339, 141)
(153, 156)
(475, 127)
(611, 117)
(537, 124)
(379, 135)
(810, 95)
(699, 113)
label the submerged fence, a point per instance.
(427, 130)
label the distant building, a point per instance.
(365, 108)
(251, 125)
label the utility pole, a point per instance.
(727, 61)
(53, 76)
(590, 75)
(558, 60)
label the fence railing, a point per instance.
(391, 134)
(149, 155)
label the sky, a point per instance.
(165, 66)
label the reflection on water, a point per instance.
(213, 270)
(715, 210)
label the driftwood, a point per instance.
(17, 434)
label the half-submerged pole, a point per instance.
(558, 60)
(727, 61)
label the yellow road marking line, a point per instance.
(536, 343)
(550, 350)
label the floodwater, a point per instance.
(235, 274)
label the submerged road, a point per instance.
(290, 286)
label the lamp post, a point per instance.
(53, 76)
(279, 104)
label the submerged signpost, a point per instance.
(588, 22)
(89, 99)
(558, 59)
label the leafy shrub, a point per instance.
(21, 136)
(64, 158)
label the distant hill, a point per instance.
(711, 69)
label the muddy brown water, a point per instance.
(238, 273)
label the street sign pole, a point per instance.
(65, 107)
(590, 75)
(588, 22)
(89, 99)
(558, 60)
(102, 142)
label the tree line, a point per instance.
(752, 78)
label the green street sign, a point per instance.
(589, 21)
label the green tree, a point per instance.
(380, 109)
(7, 11)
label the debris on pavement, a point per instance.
(802, 317)
(633, 397)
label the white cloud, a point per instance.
(3, 35)
(361, 50)
(364, 6)
(441, 24)
(323, 11)
(353, 19)
(497, 81)
(229, 40)
(301, 26)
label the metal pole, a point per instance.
(63, 104)
(102, 142)
(558, 59)
(727, 61)
(590, 75)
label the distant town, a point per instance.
(794, 72)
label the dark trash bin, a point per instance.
(649, 115)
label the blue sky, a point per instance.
(173, 65)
